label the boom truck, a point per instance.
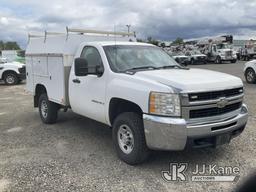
(219, 49)
(149, 101)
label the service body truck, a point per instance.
(137, 89)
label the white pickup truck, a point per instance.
(12, 72)
(150, 101)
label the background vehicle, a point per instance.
(221, 52)
(195, 57)
(180, 58)
(250, 71)
(12, 72)
(149, 100)
(249, 51)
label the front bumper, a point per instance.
(228, 58)
(22, 76)
(166, 133)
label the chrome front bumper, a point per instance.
(165, 133)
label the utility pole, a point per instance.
(128, 27)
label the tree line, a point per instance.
(9, 45)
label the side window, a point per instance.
(93, 57)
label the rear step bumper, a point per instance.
(166, 133)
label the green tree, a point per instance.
(11, 45)
(152, 41)
(1, 45)
(178, 41)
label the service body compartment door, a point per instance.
(56, 82)
(29, 75)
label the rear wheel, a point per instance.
(192, 62)
(250, 76)
(129, 138)
(48, 110)
(218, 60)
(10, 78)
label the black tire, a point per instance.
(218, 60)
(250, 76)
(192, 61)
(233, 61)
(11, 78)
(50, 115)
(140, 151)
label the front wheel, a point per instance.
(129, 138)
(48, 110)
(250, 76)
(10, 78)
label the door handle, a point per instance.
(76, 80)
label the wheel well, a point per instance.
(38, 91)
(118, 106)
(8, 72)
(249, 69)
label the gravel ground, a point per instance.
(76, 154)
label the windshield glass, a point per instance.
(223, 46)
(127, 57)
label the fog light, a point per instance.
(244, 109)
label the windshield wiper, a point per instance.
(172, 66)
(142, 67)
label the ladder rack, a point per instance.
(88, 31)
(81, 32)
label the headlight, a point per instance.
(167, 104)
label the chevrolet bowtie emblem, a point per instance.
(222, 102)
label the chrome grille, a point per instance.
(214, 94)
(208, 112)
(211, 106)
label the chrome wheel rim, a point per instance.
(125, 139)
(10, 79)
(250, 76)
(44, 109)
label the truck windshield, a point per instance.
(224, 46)
(131, 57)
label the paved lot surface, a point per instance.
(76, 154)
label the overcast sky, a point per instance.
(161, 19)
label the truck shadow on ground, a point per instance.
(92, 130)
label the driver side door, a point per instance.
(87, 93)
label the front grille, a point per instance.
(208, 112)
(228, 53)
(22, 70)
(215, 94)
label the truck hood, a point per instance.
(14, 64)
(192, 80)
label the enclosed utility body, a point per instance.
(49, 59)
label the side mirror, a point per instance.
(81, 67)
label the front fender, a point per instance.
(132, 89)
